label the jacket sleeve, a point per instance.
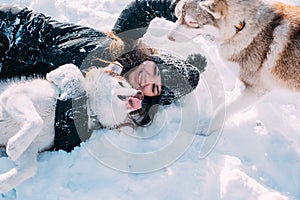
(23, 34)
(7, 16)
(136, 17)
(34, 44)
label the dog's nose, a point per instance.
(140, 95)
(171, 38)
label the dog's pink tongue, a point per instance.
(134, 103)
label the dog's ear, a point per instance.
(212, 7)
(115, 67)
(178, 8)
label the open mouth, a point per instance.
(138, 96)
(133, 102)
(138, 79)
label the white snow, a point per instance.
(257, 156)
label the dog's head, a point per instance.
(111, 97)
(197, 17)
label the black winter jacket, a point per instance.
(135, 19)
(33, 44)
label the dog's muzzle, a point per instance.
(133, 102)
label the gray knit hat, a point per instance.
(179, 78)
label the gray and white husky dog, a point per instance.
(262, 37)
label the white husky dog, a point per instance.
(27, 111)
(262, 37)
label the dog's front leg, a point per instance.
(22, 110)
(26, 167)
(249, 96)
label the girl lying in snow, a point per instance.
(32, 44)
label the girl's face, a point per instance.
(146, 77)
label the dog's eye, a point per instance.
(191, 21)
(193, 24)
(121, 84)
(122, 97)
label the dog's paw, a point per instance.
(203, 127)
(208, 127)
(4, 186)
(69, 80)
(14, 149)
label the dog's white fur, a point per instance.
(27, 111)
(266, 47)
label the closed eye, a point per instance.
(121, 84)
(153, 88)
(122, 97)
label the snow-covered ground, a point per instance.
(257, 156)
